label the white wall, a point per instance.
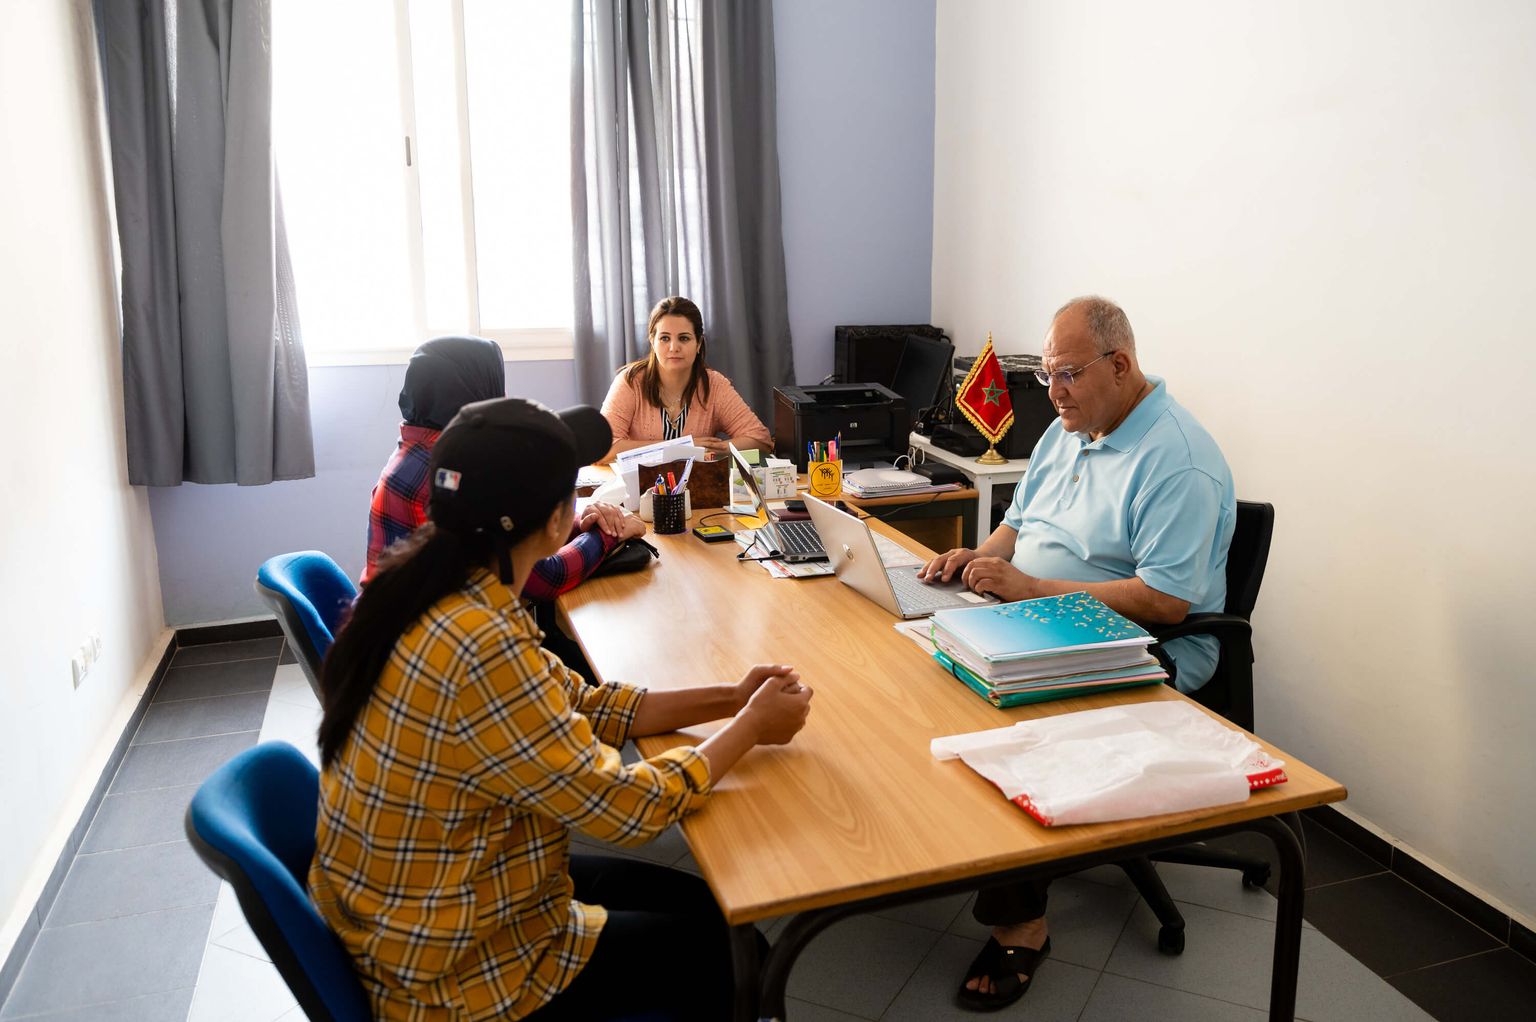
(1320, 219)
(76, 546)
(855, 122)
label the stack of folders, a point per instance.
(891, 482)
(1034, 650)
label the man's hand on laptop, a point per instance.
(998, 577)
(945, 566)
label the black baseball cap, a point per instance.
(505, 464)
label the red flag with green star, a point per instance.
(983, 396)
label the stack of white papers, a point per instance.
(627, 464)
(779, 569)
(891, 482)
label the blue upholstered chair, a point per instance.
(310, 594)
(253, 823)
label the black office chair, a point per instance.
(1229, 693)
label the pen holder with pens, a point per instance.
(669, 512)
(648, 507)
(825, 478)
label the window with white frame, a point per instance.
(424, 156)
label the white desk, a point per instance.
(982, 477)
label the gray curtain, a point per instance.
(675, 185)
(215, 385)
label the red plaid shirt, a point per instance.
(399, 508)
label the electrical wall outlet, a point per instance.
(80, 664)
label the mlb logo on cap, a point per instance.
(447, 479)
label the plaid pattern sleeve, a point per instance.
(569, 566)
(609, 708)
(532, 741)
(399, 505)
(444, 824)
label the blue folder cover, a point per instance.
(1051, 624)
(1044, 693)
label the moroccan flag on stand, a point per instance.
(983, 399)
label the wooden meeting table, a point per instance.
(855, 814)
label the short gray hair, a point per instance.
(1107, 322)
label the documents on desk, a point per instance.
(590, 477)
(1043, 681)
(780, 569)
(627, 464)
(1034, 650)
(1116, 763)
(891, 482)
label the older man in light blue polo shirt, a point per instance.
(1126, 497)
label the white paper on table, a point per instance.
(611, 492)
(1116, 763)
(779, 569)
(592, 476)
(627, 464)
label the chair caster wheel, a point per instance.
(1256, 877)
(1170, 940)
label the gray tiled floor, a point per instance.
(174, 763)
(134, 818)
(141, 931)
(95, 964)
(126, 933)
(903, 965)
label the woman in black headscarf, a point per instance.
(444, 375)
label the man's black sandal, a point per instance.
(1002, 965)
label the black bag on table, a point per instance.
(630, 555)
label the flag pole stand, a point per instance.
(992, 457)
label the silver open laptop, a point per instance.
(856, 559)
(791, 541)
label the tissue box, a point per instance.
(776, 480)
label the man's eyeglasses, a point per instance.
(1066, 377)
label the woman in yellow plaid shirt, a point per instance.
(457, 756)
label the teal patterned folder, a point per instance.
(1045, 693)
(1049, 625)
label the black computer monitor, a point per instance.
(923, 373)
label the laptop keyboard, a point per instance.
(915, 597)
(798, 538)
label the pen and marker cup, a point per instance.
(825, 478)
(669, 512)
(647, 507)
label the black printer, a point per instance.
(872, 420)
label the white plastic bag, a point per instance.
(1116, 763)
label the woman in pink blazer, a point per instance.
(672, 392)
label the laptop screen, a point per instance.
(759, 505)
